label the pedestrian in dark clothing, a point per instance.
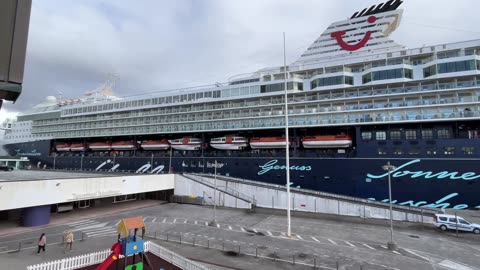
(42, 242)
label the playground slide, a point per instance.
(116, 248)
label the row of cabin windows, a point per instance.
(336, 80)
(457, 66)
(387, 75)
(410, 134)
(428, 151)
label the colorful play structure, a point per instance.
(128, 246)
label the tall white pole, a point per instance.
(215, 195)
(390, 199)
(287, 150)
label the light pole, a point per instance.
(287, 154)
(214, 221)
(391, 245)
(170, 164)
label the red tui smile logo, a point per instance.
(353, 47)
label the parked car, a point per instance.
(6, 168)
(445, 222)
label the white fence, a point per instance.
(98, 257)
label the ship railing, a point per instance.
(380, 204)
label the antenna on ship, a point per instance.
(287, 154)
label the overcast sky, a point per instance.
(160, 44)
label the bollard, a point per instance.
(180, 239)
(19, 246)
(293, 259)
(314, 262)
(82, 237)
(167, 237)
(208, 243)
(361, 266)
(193, 241)
(223, 245)
(238, 249)
(63, 239)
(256, 252)
(155, 234)
(337, 265)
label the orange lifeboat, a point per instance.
(268, 142)
(327, 141)
(229, 143)
(63, 147)
(123, 145)
(155, 145)
(77, 147)
(100, 146)
(187, 143)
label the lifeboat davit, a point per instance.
(186, 144)
(100, 146)
(268, 142)
(229, 143)
(77, 147)
(63, 147)
(123, 145)
(327, 141)
(155, 145)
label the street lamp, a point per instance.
(389, 168)
(287, 154)
(214, 221)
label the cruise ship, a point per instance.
(356, 100)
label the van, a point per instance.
(451, 222)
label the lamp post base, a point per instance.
(392, 246)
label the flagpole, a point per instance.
(287, 150)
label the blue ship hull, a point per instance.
(436, 183)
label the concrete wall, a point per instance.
(20, 194)
(274, 198)
(187, 187)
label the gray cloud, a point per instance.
(158, 45)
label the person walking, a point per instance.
(68, 241)
(42, 242)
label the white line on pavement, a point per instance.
(416, 254)
(196, 222)
(81, 221)
(118, 222)
(255, 231)
(299, 237)
(165, 219)
(174, 220)
(269, 233)
(384, 247)
(283, 234)
(368, 246)
(350, 244)
(206, 223)
(396, 252)
(331, 241)
(242, 229)
(218, 225)
(154, 219)
(315, 239)
(229, 227)
(185, 221)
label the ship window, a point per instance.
(443, 134)
(411, 134)
(382, 151)
(381, 135)
(427, 134)
(449, 150)
(397, 151)
(468, 150)
(395, 135)
(366, 135)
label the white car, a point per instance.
(445, 222)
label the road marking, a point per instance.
(88, 227)
(384, 247)
(154, 219)
(299, 237)
(229, 227)
(350, 244)
(454, 265)
(79, 222)
(416, 254)
(116, 224)
(242, 229)
(368, 246)
(174, 220)
(315, 239)
(218, 225)
(196, 222)
(164, 220)
(185, 221)
(396, 252)
(331, 241)
(255, 231)
(206, 223)
(269, 233)
(283, 234)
